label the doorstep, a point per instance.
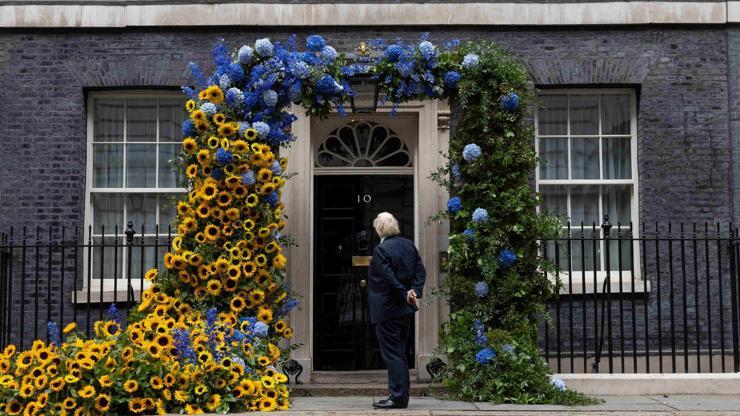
(654, 383)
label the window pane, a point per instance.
(168, 174)
(108, 124)
(141, 165)
(552, 116)
(108, 211)
(167, 211)
(142, 248)
(617, 157)
(584, 158)
(584, 114)
(553, 158)
(620, 241)
(142, 210)
(110, 256)
(107, 165)
(617, 203)
(554, 201)
(171, 115)
(615, 114)
(584, 205)
(585, 251)
(141, 120)
(557, 253)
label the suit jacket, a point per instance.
(395, 269)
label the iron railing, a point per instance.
(661, 298)
(653, 298)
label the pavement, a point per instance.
(683, 405)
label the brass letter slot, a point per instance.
(361, 261)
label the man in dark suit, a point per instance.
(395, 282)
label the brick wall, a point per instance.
(681, 75)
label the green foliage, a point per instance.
(498, 181)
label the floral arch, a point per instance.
(206, 336)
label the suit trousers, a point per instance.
(393, 336)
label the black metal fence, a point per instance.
(661, 298)
(657, 298)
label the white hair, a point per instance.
(386, 225)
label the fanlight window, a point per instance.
(363, 144)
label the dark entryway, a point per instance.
(345, 207)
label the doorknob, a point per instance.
(363, 283)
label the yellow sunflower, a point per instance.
(130, 386)
(191, 171)
(189, 145)
(102, 403)
(86, 392)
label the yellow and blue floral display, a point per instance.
(205, 337)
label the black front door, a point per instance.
(345, 207)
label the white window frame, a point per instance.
(81, 296)
(577, 276)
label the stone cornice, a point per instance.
(125, 14)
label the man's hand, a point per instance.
(411, 297)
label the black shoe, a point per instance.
(389, 404)
(382, 401)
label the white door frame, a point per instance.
(429, 198)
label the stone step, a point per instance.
(367, 389)
(354, 377)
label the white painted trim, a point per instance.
(369, 14)
(615, 276)
(653, 383)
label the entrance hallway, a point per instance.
(613, 405)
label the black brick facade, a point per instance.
(688, 122)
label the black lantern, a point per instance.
(363, 82)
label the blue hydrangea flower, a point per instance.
(471, 61)
(270, 97)
(188, 128)
(300, 69)
(272, 199)
(276, 168)
(209, 108)
(394, 53)
(235, 96)
(262, 128)
(235, 72)
(245, 54)
(248, 178)
(506, 257)
(315, 43)
(558, 384)
(456, 172)
(404, 68)
(508, 348)
(451, 78)
(243, 126)
(485, 356)
(510, 101)
(223, 156)
(469, 234)
(238, 361)
(480, 216)
(471, 152)
(481, 289)
(427, 49)
(326, 85)
(218, 174)
(53, 334)
(264, 48)
(480, 333)
(328, 54)
(224, 82)
(454, 205)
(260, 329)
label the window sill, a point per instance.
(108, 294)
(578, 288)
